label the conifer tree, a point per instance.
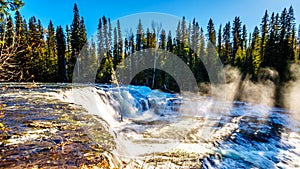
(83, 35)
(7, 6)
(236, 33)
(220, 40)
(100, 42)
(169, 42)
(51, 57)
(255, 52)
(84, 58)
(120, 43)
(273, 51)
(115, 47)
(226, 54)
(211, 33)
(92, 65)
(75, 41)
(61, 52)
(9, 33)
(139, 36)
(106, 64)
(264, 34)
(21, 39)
(211, 45)
(244, 38)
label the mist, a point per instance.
(291, 92)
(263, 91)
(235, 87)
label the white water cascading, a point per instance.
(154, 122)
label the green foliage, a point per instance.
(41, 54)
(6, 6)
(61, 54)
(256, 52)
(236, 33)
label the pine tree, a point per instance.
(220, 40)
(106, 64)
(211, 33)
(92, 59)
(61, 51)
(120, 43)
(203, 76)
(68, 54)
(75, 41)
(100, 44)
(194, 45)
(264, 34)
(10, 69)
(36, 66)
(84, 58)
(21, 39)
(8, 60)
(227, 45)
(211, 50)
(273, 50)
(236, 33)
(169, 42)
(115, 48)
(244, 38)
(256, 52)
(9, 33)
(163, 40)
(51, 58)
(139, 36)
(68, 39)
(291, 34)
(7, 6)
(83, 35)
(285, 53)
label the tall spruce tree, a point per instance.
(255, 52)
(211, 33)
(75, 41)
(139, 36)
(119, 56)
(226, 54)
(51, 57)
(220, 40)
(61, 52)
(236, 33)
(21, 39)
(264, 34)
(273, 51)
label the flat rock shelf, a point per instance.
(39, 131)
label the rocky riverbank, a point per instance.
(39, 131)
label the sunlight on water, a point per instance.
(220, 134)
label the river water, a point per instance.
(153, 129)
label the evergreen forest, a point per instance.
(31, 51)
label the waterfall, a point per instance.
(155, 124)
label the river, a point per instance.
(53, 125)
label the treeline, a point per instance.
(31, 52)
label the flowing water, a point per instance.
(153, 129)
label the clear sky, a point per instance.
(221, 11)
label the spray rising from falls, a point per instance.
(152, 121)
(150, 124)
(292, 92)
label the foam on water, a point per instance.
(145, 121)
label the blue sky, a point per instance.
(221, 11)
